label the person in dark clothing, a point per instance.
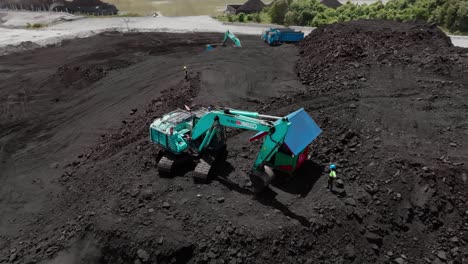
(331, 177)
(186, 73)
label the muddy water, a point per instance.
(174, 7)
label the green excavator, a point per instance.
(198, 136)
(228, 35)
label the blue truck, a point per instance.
(277, 36)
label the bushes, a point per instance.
(278, 11)
(241, 17)
(449, 14)
(452, 15)
(254, 18)
(35, 25)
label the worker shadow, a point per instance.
(268, 198)
(303, 180)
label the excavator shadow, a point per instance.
(303, 180)
(222, 177)
(300, 184)
(268, 198)
(184, 168)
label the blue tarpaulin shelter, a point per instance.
(302, 131)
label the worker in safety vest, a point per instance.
(331, 177)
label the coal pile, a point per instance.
(390, 97)
(375, 42)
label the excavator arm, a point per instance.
(229, 35)
(275, 130)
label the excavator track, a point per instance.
(208, 164)
(165, 166)
(202, 171)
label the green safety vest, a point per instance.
(332, 174)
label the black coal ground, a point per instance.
(79, 178)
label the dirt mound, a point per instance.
(394, 96)
(377, 42)
(23, 46)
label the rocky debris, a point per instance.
(339, 183)
(371, 189)
(13, 257)
(373, 238)
(350, 252)
(143, 255)
(465, 236)
(442, 255)
(339, 191)
(166, 205)
(350, 201)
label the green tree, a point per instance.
(278, 11)
(241, 17)
(291, 18)
(461, 23)
(254, 17)
(420, 13)
(450, 14)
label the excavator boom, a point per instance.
(276, 131)
(231, 36)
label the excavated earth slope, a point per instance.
(79, 178)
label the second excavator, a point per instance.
(227, 36)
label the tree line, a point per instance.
(451, 15)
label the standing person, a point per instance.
(331, 176)
(186, 73)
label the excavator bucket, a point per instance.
(210, 47)
(302, 131)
